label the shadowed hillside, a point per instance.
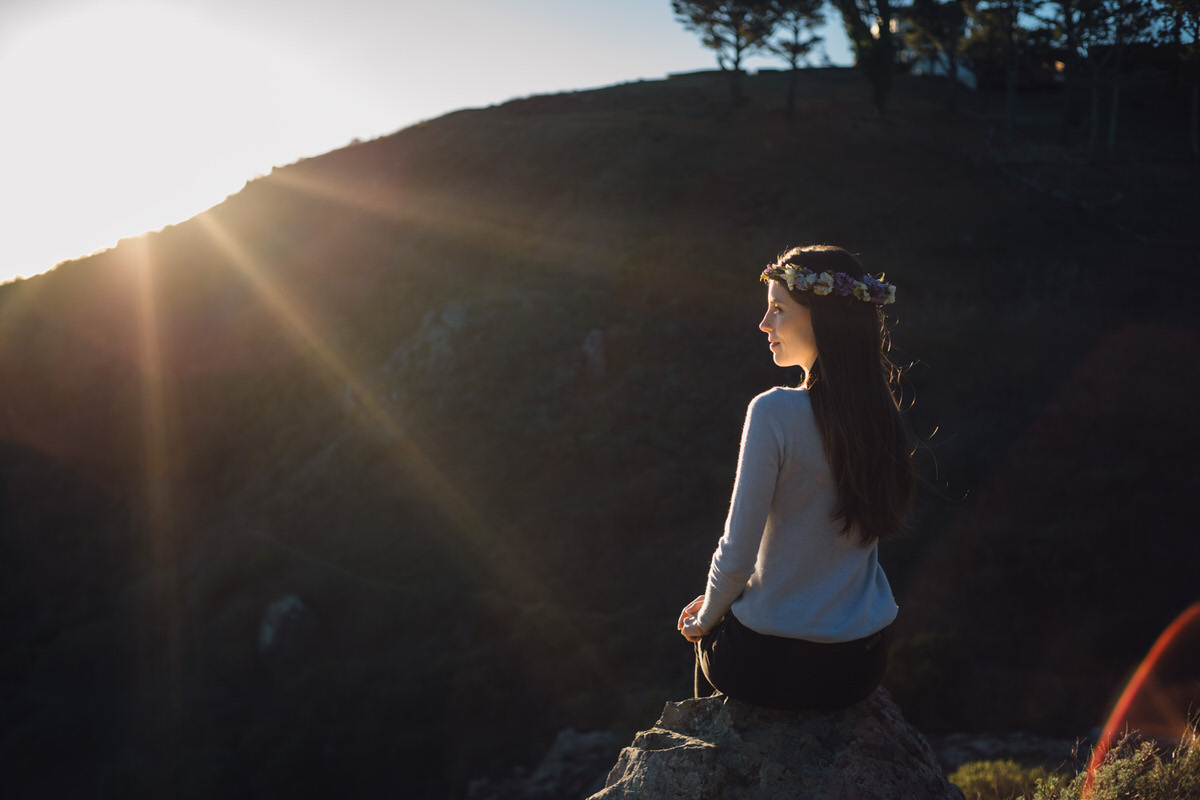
(471, 394)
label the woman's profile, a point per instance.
(797, 606)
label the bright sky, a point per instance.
(122, 116)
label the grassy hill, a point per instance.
(364, 381)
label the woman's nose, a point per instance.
(765, 324)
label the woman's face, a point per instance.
(789, 329)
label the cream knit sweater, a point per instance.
(781, 565)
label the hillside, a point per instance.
(472, 393)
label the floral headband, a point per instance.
(869, 289)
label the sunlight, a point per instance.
(513, 569)
(161, 612)
(457, 508)
(128, 117)
(447, 211)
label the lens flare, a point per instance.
(1165, 686)
(512, 566)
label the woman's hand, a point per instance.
(687, 621)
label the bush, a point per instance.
(1132, 770)
(997, 780)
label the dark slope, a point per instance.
(363, 381)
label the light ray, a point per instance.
(509, 567)
(446, 212)
(452, 502)
(162, 611)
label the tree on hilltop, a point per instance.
(1000, 26)
(796, 20)
(1063, 19)
(942, 25)
(1108, 28)
(1186, 22)
(730, 29)
(870, 25)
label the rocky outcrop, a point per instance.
(573, 767)
(718, 747)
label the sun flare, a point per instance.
(129, 117)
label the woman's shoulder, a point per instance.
(780, 400)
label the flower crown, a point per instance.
(869, 289)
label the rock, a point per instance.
(718, 747)
(573, 767)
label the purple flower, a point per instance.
(876, 288)
(843, 284)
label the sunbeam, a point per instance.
(509, 566)
(162, 609)
(456, 507)
(446, 212)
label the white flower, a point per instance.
(824, 284)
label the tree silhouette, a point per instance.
(1107, 29)
(1063, 23)
(1186, 20)
(869, 24)
(1003, 22)
(731, 30)
(796, 19)
(942, 25)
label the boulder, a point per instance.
(574, 767)
(718, 747)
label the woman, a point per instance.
(797, 605)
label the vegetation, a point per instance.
(797, 20)
(938, 29)
(730, 29)
(1133, 769)
(997, 780)
(362, 382)
(869, 26)
(1021, 45)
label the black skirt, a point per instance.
(789, 674)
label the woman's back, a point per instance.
(781, 551)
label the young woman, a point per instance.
(797, 605)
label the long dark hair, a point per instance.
(866, 440)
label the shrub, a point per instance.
(1132, 770)
(997, 780)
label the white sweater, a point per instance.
(781, 564)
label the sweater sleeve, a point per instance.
(753, 491)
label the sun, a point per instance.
(125, 117)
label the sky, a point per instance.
(119, 117)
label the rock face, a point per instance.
(718, 747)
(573, 768)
